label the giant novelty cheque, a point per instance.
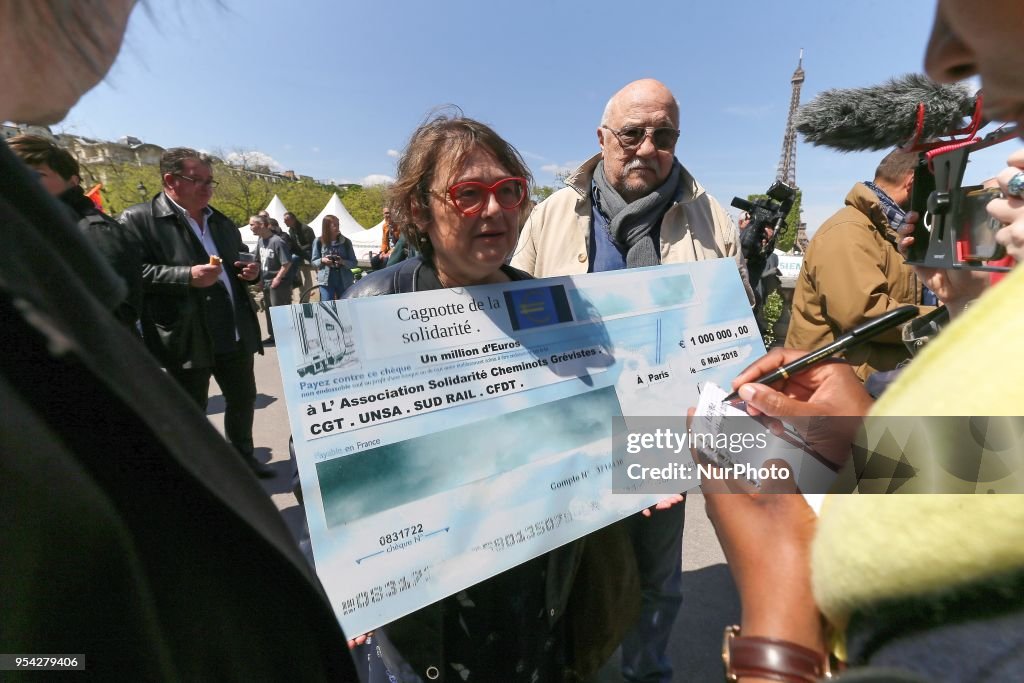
(443, 437)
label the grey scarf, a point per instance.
(630, 224)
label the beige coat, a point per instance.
(554, 240)
(852, 271)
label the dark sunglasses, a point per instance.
(632, 137)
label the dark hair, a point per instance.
(442, 138)
(173, 160)
(36, 150)
(896, 165)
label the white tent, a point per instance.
(248, 239)
(334, 207)
(366, 241)
(276, 211)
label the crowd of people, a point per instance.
(135, 522)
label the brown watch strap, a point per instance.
(778, 660)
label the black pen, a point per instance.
(854, 337)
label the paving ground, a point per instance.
(709, 601)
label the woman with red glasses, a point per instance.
(460, 196)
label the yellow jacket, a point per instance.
(873, 548)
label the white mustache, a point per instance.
(638, 163)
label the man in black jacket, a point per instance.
(197, 317)
(60, 175)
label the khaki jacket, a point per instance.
(554, 240)
(852, 271)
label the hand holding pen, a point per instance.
(801, 362)
(825, 388)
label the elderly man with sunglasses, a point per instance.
(197, 316)
(635, 205)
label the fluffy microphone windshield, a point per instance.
(883, 116)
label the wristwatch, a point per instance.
(776, 660)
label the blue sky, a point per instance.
(333, 89)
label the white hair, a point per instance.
(607, 114)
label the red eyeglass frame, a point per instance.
(488, 190)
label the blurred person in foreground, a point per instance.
(59, 173)
(458, 197)
(334, 257)
(133, 537)
(925, 587)
(198, 319)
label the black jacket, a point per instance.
(592, 583)
(123, 507)
(112, 240)
(174, 315)
(302, 238)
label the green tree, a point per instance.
(122, 184)
(787, 236)
(305, 198)
(240, 194)
(365, 203)
(542, 192)
(771, 312)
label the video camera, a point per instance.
(766, 212)
(954, 229)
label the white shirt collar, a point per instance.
(207, 211)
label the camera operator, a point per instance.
(758, 226)
(762, 267)
(853, 271)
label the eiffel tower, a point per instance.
(787, 160)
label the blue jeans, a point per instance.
(328, 293)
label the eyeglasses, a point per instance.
(211, 183)
(470, 197)
(632, 137)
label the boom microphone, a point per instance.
(883, 116)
